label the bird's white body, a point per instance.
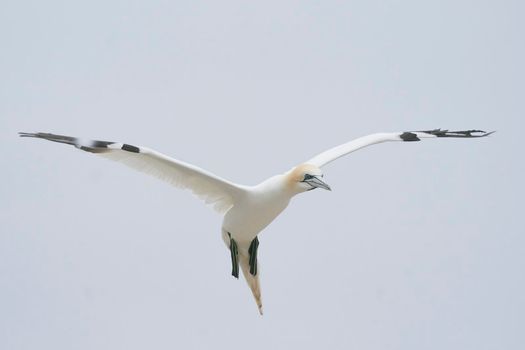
(256, 208)
(247, 209)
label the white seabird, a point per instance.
(247, 210)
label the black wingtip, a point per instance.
(462, 133)
(130, 148)
(409, 136)
(473, 133)
(93, 146)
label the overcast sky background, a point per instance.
(419, 246)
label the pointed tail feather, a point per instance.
(253, 281)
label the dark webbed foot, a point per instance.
(234, 251)
(253, 255)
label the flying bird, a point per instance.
(247, 210)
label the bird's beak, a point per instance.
(317, 182)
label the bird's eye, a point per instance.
(307, 177)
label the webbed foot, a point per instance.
(234, 251)
(253, 255)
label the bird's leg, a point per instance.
(253, 255)
(234, 251)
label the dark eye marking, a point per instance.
(307, 177)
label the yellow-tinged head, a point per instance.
(305, 177)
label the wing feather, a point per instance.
(334, 153)
(221, 194)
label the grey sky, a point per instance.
(419, 246)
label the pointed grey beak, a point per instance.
(317, 182)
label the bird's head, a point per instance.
(305, 177)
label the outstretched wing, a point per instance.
(349, 147)
(218, 192)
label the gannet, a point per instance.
(247, 210)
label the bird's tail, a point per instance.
(253, 281)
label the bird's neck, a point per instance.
(278, 185)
